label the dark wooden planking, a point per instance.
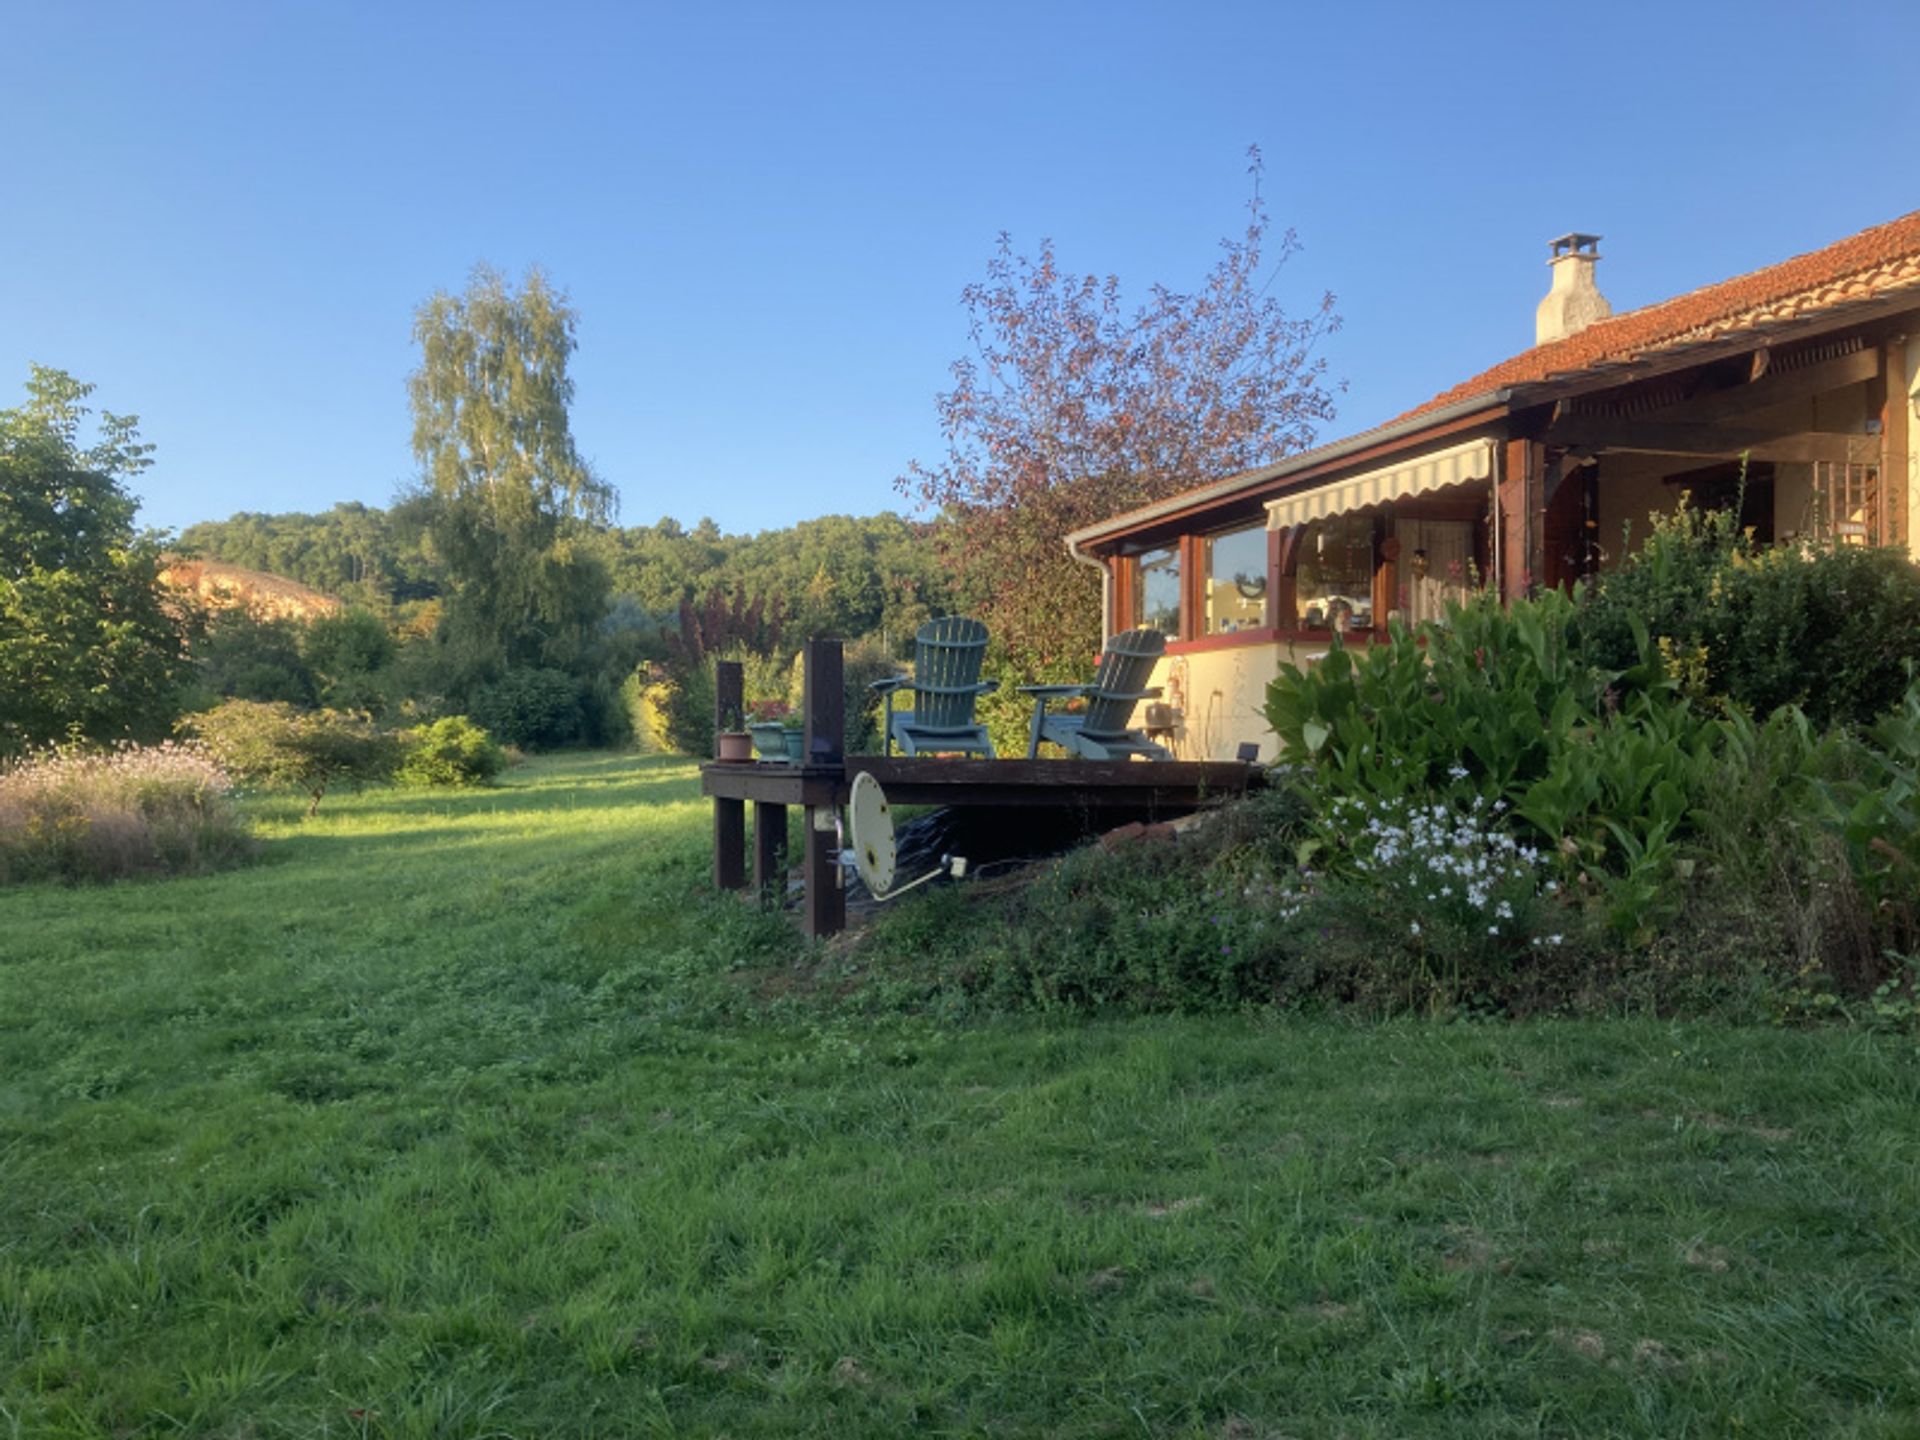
(824, 703)
(1721, 441)
(1062, 783)
(769, 845)
(729, 844)
(824, 910)
(774, 784)
(1774, 388)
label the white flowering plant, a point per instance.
(1442, 884)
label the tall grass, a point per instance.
(162, 809)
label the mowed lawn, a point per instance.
(471, 1115)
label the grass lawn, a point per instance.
(466, 1116)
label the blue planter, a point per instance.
(796, 745)
(770, 739)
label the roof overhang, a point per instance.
(1383, 440)
(1417, 475)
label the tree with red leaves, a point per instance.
(1073, 408)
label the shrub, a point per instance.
(1830, 631)
(278, 747)
(162, 809)
(349, 654)
(450, 751)
(247, 656)
(533, 709)
(1497, 705)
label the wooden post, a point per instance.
(825, 704)
(769, 846)
(729, 816)
(1519, 499)
(1896, 464)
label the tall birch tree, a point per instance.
(508, 494)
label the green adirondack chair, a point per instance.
(946, 681)
(1101, 732)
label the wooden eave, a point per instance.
(1220, 512)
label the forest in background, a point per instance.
(678, 595)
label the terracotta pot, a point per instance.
(732, 745)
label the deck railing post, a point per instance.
(729, 816)
(824, 700)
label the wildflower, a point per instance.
(1415, 927)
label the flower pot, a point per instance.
(770, 739)
(732, 745)
(796, 746)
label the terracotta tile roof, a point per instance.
(1870, 263)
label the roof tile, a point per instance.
(1885, 257)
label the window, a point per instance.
(1235, 565)
(1156, 591)
(1333, 579)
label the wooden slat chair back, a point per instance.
(947, 656)
(1121, 681)
(1102, 730)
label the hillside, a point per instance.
(225, 587)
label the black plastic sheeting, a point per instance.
(994, 841)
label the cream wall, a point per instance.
(1222, 694)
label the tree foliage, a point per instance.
(88, 646)
(1074, 407)
(506, 493)
(279, 747)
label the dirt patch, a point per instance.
(1714, 1259)
(849, 1371)
(1589, 1344)
(1102, 1282)
(1175, 1207)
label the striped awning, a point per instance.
(1436, 470)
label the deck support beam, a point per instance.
(729, 816)
(824, 701)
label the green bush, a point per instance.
(244, 656)
(278, 747)
(450, 751)
(533, 709)
(1830, 631)
(1497, 706)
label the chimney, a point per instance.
(1574, 302)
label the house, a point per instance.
(1795, 389)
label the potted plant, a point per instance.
(730, 742)
(795, 737)
(769, 734)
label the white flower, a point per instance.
(1415, 927)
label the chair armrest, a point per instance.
(1153, 694)
(987, 687)
(889, 685)
(1054, 692)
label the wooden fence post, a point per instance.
(729, 816)
(825, 706)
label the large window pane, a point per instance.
(1156, 595)
(1236, 570)
(1333, 582)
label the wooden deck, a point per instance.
(1158, 788)
(1177, 786)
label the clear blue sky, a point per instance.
(224, 215)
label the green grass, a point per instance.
(467, 1115)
